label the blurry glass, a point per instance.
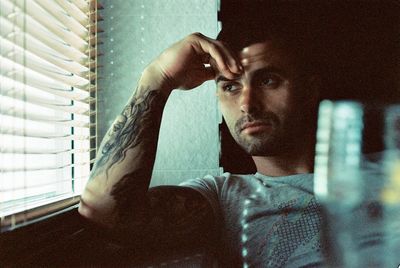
(357, 177)
(390, 194)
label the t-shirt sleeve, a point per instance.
(210, 187)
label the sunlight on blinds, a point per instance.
(48, 74)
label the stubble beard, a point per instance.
(268, 143)
(276, 141)
(258, 145)
(263, 144)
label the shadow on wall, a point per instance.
(233, 158)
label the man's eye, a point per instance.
(229, 87)
(270, 81)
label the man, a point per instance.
(268, 88)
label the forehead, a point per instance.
(266, 53)
(271, 54)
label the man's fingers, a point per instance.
(234, 64)
(223, 58)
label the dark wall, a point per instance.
(355, 44)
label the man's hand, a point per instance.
(183, 64)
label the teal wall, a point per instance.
(136, 31)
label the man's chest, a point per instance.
(265, 231)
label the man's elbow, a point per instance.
(85, 210)
(95, 215)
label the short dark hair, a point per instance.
(257, 21)
(354, 46)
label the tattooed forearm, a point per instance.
(142, 113)
(117, 196)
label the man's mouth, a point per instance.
(255, 127)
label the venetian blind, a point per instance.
(48, 75)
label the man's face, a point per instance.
(267, 108)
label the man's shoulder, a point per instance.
(228, 176)
(218, 180)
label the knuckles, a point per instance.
(196, 35)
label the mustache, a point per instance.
(267, 118)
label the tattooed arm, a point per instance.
(117, 194)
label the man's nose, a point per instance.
(249, 100)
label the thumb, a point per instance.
(199, 76)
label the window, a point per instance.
(48, 67)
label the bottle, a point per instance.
(359, 192)
(337, 179)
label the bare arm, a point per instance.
(117, 194)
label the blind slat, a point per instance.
(22, 114)
(74, 12)
(57, 11)
(9, 29)
(30, 167)
(16, 169)
(25, 127)
(35, 46)
(30, 145)
(94, 41)
(39, 175)
(34, 50)
(32, 133)
(18, 73)
(98, 17)
(45, 126)
(70, 108)
(94, 29)
(38, 94)
(81, 5)
(40, 185)
(48, 23)
(44, 152)
(12, 63)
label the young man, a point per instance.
(264, 101)
(268, 87)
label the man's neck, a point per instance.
(285, 165)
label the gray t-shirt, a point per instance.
(264, 221)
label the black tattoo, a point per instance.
(179, 212)
(166, 216)
(130, 190)
(127, 131)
